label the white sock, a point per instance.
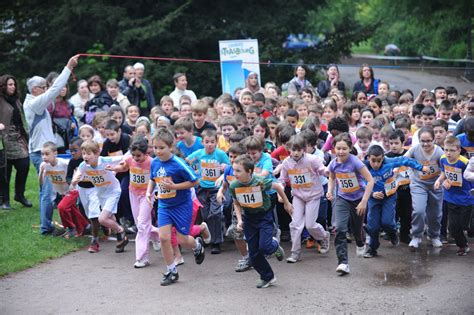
(172, 268)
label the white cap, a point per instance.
(35, 81)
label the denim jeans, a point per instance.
(45, 199)
(381, 214)
(258, 230)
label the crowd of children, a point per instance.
(261, 169)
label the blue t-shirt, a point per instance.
(187, 151)
(467, 145)
(179, 172)
(265, 164)
(229, 174)
(459, 193)
(209, 165)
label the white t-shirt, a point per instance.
(103, 180)
(57, 175)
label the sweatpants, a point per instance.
(69, 213)
(258, 230)
(381, 214)
(141, 211)
(344, 211)
(212, 213)
(459, 218)
(305, 214)
(427, 209)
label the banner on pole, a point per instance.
(234, 57)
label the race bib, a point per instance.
(139, 178)
(116, 153)
(300, 178)
(433, 172)
(347, 182)
(454, 174)
(249, 197)
(97, 178)
(210, 171)
(164, 193)
(469, 152)
(230, 178)
(56, 177)
(390, 186)
(403, 176)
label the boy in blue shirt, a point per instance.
(457, 197)
(188, 143)
(174, 179)
(383, 199)
(210, 163)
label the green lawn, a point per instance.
(21, 244)
(364, 48)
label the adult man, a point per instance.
(470, 113)
(131, 86)
(181, 83)
(41, 131)
(147, 104)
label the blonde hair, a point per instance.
(199, 107)
(90, 146)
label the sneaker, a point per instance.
(120, 248)
(93, 248)
(367, 239)
(395, 240)
(360, 251)
(206, 240)
(369, 253)
(414, 243)
(462, 251)
(293, 258)
(131, 229)
(243, 265)
(141, 264)
(59, 232)
(265, 284)
(156, 245)
(310, 243)
(324, 248)
(215, 249)
(169, 278)
(179, 261)
(443, 239)
(278, 235)
(280, 252)
(343, 269)
(199, 253)
(436, 242)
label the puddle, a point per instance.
(403, 276)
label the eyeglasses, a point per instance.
(42, 87)
(426, 141)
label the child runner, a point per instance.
(174, 180)
(457, 195)
(106, 187)
(383, 199)
(426, 199)
(254, 214)
(303, 171)
(210, 162)
(188, 143)
(138, 163)
(351, 200)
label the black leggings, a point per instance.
(22, 167)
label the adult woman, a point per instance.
(298, 82)
(101, 101)
(15, 140)
(80, 99)
(367, 83)
(252, 85)
(332, 81)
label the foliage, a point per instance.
(42, 35)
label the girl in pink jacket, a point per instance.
(302, 170)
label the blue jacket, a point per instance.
(385, 171)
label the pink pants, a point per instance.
(305, 213)
(195, 230)
(70, 215)
(141, 210)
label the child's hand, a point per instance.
(329, 196)
(361, 207)
(109, 168)
(447, 184)
(280, 199)
(378, 195)
(219, 181)
(168, 183)
(149, 198)
(426, 169)
(289, 208)
(2, 126)
(220, 197)
(437, 185)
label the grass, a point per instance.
(22, 245)
(364, 48)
